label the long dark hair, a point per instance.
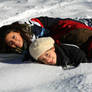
(23, 29)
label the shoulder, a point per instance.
(71, 45)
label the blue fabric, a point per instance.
(11, 58)
(42, 32)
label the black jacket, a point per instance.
(69, 56)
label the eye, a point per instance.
(46, 54)
(13, 37)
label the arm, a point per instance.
(58, 27)
(75, 54)
(46, 21)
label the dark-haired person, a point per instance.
(17, 36)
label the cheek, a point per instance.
(53, 54)
(43, 61)
(21, 39)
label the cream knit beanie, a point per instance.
(40, 45)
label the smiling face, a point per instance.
(49, 57)
(14, 39)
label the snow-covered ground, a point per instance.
(30, 77)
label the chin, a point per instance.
(21, 45)
(52, 63)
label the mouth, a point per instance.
(51, 62)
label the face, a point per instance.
(14, 39)
(49, 57)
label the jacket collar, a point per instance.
(62, 59)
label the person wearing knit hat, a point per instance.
(47, 51)
(43, 27)
(41, 45)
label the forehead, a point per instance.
(50, 50)
(9, 35)
(12, 33)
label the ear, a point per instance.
(53, 48)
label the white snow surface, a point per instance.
(32, 77)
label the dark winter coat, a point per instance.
(80, 37)
(57, 27)
(69, 56)
(77, 36)
(64, 30)
(54, 27)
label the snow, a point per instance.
(32, 77)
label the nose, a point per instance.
(47, 60)
(14, 43)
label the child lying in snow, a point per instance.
(16, 37)
(45, 50)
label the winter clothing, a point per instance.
(80, 37)
(87, 21)
(62, 29)
(77, 36)
(57, 27)
(48, 26)
(67, 54)
(41, 45)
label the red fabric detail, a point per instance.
(37, 20)
(65, 26)
(73, 24)
(57, 42)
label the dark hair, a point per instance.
(23, 29)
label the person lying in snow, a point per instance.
(16, 37)
(45, 50)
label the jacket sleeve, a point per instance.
(87, 48)
(58, 26)
(45, 21)
(42, 24)
(75, 54)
